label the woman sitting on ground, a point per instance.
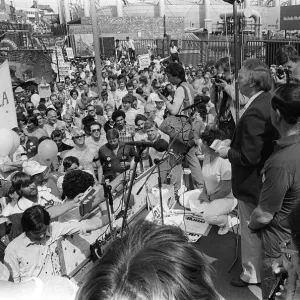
(216, 200)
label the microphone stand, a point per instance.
(157, 162)
(137, 160)
(166, 153)
(110, 209)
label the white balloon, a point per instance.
(16, 143)
(6, 141)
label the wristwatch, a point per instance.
(252, 230)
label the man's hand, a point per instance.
(162, 97)
(77, 201)
(223, 152)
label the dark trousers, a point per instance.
(119, 55)
(271, 236)
(131, 53)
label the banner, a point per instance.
(8, 116)
(144, 61)
(290, 17)
(28, 64)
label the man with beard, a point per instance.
(126, 132)
(86, 155)
(27, 190)
(29, 108)
(115, 157)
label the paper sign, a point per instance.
(144, 61)
(70, 53)
(44, 90)
(8, 116)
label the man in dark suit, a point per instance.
(251, 146)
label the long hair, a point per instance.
(150, 262)
(20, 180)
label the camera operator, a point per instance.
(289, 58)
(223, 96)
(176, 76)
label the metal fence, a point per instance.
(202, 51)
(264, 50)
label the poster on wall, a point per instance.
(8, 116)
(290, 17)
(84, 44)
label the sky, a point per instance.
(28, 3)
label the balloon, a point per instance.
(6, 141)
(16, 143)
(47, 150)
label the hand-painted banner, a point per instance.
(8, 117)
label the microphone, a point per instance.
(159, 145)
(182, 156)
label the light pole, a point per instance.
(236, 42)
(96, 46)
(236, 54)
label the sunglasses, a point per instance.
(30, 107)
(80, 136)
(96, 130)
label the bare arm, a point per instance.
(223, 192)
(96, 223)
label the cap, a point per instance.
(19, 90)
(33, 167)
(76, 132)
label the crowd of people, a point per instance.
(89, 130)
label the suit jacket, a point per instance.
(252, 144)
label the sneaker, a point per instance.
(225, 228)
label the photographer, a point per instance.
(289, 58)
(183, 97)
(223, 96)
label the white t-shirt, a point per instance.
(214, 172)
(179, 97)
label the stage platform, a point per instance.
(220, 252)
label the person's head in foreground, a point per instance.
(150, 262)
(285, 109)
